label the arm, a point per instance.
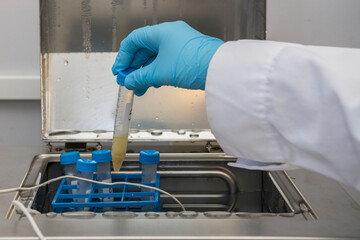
(273, 105)
(286, 105)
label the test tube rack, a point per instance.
(125, 197)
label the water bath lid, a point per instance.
(79, 43)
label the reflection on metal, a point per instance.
(254, 215)
(290, 214)
(65, 132)
(152, 214)
(81, 215)
(51, 214)
(188, 214)
(292, 195)
(171, 214)
(229, 193)
(119, 214)
(217, 214)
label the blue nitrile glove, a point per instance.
(171, 53)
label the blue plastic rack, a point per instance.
(125, 197)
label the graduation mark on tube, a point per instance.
(122, 120)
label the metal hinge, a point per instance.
(209, 147)
(73, 146)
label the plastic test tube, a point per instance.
(122, 120)
(103, 173)
(68, 160)
(149, 160)
(85, 169)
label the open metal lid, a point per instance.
(80, 96)
(79, 42)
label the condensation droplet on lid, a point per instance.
(66, 62)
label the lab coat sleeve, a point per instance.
(279, 106)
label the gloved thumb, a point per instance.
(140, 80)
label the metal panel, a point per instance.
(19, 50)
(79, 41)
(322, 22)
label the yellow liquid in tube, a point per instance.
(122, 121)
(118, 151)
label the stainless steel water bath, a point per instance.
(277, 205)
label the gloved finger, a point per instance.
(122, 61)
(140, 79)
(141, 38)
(149, 61)
(141, 92)
(141, 57)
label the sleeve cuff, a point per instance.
(255, 165)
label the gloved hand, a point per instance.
(171, 53)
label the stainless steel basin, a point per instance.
(267, 205)
(203, 182)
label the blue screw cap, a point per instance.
(101, 156)
(69, 157)
(86, 165)
(122, 75)
(149, 157)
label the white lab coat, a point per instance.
(280, 106)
